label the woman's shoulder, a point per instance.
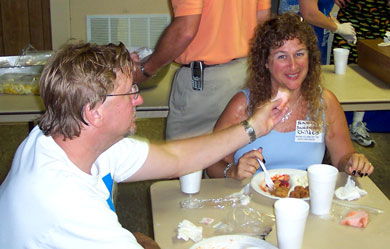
(331, 104)
(329, 97)
(235, 111)
(241, 97)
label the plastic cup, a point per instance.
(190, 183)
(340, 60)
(322, 182)
(291, 215)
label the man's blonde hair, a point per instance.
(77, 75)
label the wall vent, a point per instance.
(135, 31)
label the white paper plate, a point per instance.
(259, 179)
(232, 242)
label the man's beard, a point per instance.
(130, 132)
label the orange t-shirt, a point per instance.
(225, 28)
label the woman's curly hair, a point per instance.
(271, 35)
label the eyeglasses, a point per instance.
(134, 90)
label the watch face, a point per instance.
(249, 130)
(252, 134)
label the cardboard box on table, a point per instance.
(375, 59)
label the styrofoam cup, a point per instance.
(322, 182)
(291, 215)
(190, 183)
(340, 60)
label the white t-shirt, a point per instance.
(48, 202)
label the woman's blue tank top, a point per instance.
(281, 151)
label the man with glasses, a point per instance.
(58, 191)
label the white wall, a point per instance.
(68, 17)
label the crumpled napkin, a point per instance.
(350, 191)
(187, 230)
(386, 40)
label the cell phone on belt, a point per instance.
(197, 75)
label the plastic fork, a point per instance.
(267, 178)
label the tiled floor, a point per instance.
(133, 199)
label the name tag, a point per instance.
(304, 133)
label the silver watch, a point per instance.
(249, 130)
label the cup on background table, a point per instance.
(340, 60)
(190, 183)
(291, 215)
(322, 182)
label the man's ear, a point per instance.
(93, 116)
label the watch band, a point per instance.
(228, 166)
(249, 130)
(144, 71)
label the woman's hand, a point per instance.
(358, 165)
(247, 165)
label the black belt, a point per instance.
(201, 63)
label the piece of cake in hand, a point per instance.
(284, 94)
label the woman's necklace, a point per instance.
(287, 115)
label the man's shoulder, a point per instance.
(187, 7)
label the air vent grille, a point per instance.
(135, 31)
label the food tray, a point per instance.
(19, 83)
(31, 59)
(21, 74)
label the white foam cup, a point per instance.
(190, 183)
(291, 215)
(322, 182)
(340, 60)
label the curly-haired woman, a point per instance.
(284, 57)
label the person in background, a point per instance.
(371, 20)
(58, 191)
(317, 13)
(284, 58)
(359, 131)
(210, 40)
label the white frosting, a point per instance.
(299, 180)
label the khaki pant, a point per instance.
(193, 113)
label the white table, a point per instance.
(27, 108)
(356, 90)
(319, 233)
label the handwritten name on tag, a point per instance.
(304, 133)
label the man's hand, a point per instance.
(138, 76)
(145, 241)
(265, 117)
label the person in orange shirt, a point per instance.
(210, 39)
